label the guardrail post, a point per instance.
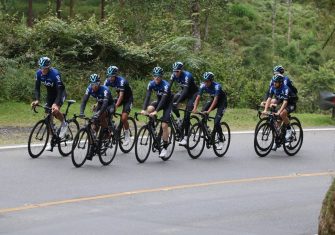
(333, 113)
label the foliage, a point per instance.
(327, 215)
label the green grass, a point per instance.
(17, 118)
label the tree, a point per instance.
(102, 10)
(30, 13)
(289, 2)
(71, 8)
(195, 17)
(58, 10)
(274, 12)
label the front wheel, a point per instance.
(221, 145)
(124, 146)
(264, 139)
(38, 139)
(195, 141)
(143, 144)
(65, 144)
(81, 147)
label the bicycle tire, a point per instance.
(64, 145)
(81, 141)
(40, 125)
(266, 131)
(290, 149)
(132, 134)
(226, 140)
(107, 149)
(196, 135)
(143, 138)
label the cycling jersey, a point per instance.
(121, 85)
(185, 80)
(282, 93)
(53, 82)
(213, 90)
(163, 93)
(103, 96)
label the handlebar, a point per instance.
(42, 106)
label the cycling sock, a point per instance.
(165, 144)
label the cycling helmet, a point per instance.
(278, 69)
(94, 78)
(157, 72)
(112, 70)
(208, 76)
(278, 78)
(177, 66)
(44, 62)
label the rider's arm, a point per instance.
(196, 103)
(283, 106)
(147, 99)
(37, 89)
(83, 103)
(120, 99)
(214, 103)
(267, 104)
(183, 93)
(162, 102)
(107, 97)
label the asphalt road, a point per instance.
(238, 194)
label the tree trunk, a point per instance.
(195, 16)
(30, 13)
(71, 9)
(289, 21)
(274, 12)
(122, 3)
(208, 10)
(102, 10)
(58, 5)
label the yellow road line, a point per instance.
(160, 189)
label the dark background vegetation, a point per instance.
(240, 41)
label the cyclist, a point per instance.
(218, 101)
(164, 102)
(51, 79)
(188, 92)
(278, 69)
(285, 97)
(125, 97)
(105, 107)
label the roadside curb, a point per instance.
(233, 133)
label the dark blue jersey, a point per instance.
(213, 90)
(282, 93)
(52, 81)
(185, 79)
(163, 93)
(103, 95)
(120, 84)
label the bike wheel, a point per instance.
(143, 144)
(81, 147)
(170, 148)
(264, 139)
(132, 134)
(261, 121)
(226, 140)
(293, 146)
(38, 139)
(107, 148)
(65, 144)
(195, 141)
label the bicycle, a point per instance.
(121, 135)
(200, 133)
(179, 128)
(272, 131)
(89, 143)
(149, 137)
(40, 133)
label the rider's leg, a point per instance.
(175, 110)
(165, 126)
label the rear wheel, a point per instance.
(293, 146)
(38, 139)
(81, 147)
(65, 144)
(195, 141)
(143, 144)
(220, 151)
(264, 139)
(108, 148)
(132, 134)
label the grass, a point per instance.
(16, 119)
